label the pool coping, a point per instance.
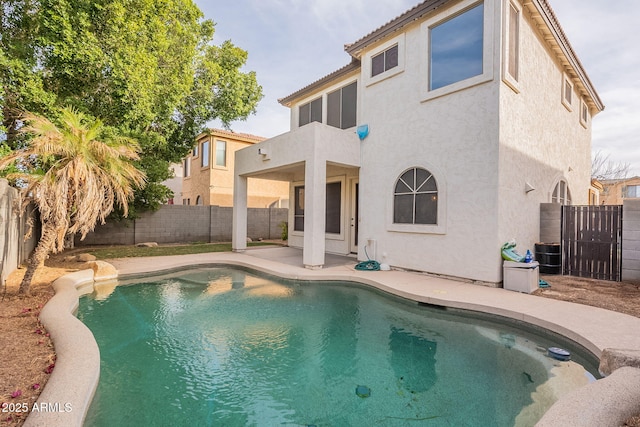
(75, 377)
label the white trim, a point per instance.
(487, 49)
(511, 81)
(366, 61)
(568, 103)
(584, 122)
(441, 226)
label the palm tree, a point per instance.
(74, 172)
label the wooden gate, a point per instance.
(592, 241)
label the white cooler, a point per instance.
(521, 276)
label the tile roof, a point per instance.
(540, 9)
(231, 134)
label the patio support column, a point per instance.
(315, 189)
(239, 230)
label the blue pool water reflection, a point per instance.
(230, 348)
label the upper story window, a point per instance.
(384, 61)
(194, 153)
(310, 112)
(187, 167)
(205, 154)
(631, 192)
(561, 193)
(511, 41)
(456, 48)
(584, 113)
(221, 153)
(567, 92)
(416, 198)
(341, 107)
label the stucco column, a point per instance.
(239, 230)
(315, 189)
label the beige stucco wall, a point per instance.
(612, 191)
(454, 136)
(541, 140)
(215, 183)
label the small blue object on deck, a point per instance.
(543, 284)
(363, 391)
(559, 353)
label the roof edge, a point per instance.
(352, 66)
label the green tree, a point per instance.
(146, 67)
(74, 172)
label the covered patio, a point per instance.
(309, 155)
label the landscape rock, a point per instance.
(612, 359)
(85, 258)
(146, 245)
(103, 271)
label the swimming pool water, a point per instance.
(225, 347)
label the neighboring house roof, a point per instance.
(246, 137)
(541, 12)
(619, 180)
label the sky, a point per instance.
(292, 43)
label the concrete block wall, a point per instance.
(631, 240)
(183, 224)
(550, 222)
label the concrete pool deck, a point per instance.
(606, 402)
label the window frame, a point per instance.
(508, 43)
(293, 208)
(368, 79)
(567, 84)
(585, 114)
(223, 166)
(205, 158)
(311, 111)
(487, 49)
(441, 220)
(564, 199)
(341, 105)
(186, 173)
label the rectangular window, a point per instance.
(513, 42)
(333, 208)
(310, 112)
(194, 153)
(334, 203)
(384, 61)
(584, 114)
(567, 92)
(631, 192)
(205, 154)
(298, 209)
(341, 107)
(456, 48)
(221, 153)
(187, 167)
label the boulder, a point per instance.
(146, 245)
(103, 271)
(85, 258)
(612, 359)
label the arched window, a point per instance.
(198, 201)
(561, 193)
(415, 199)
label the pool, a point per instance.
(221, 346)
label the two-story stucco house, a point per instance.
(207, 173)
(615, 191)
(477, 112)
